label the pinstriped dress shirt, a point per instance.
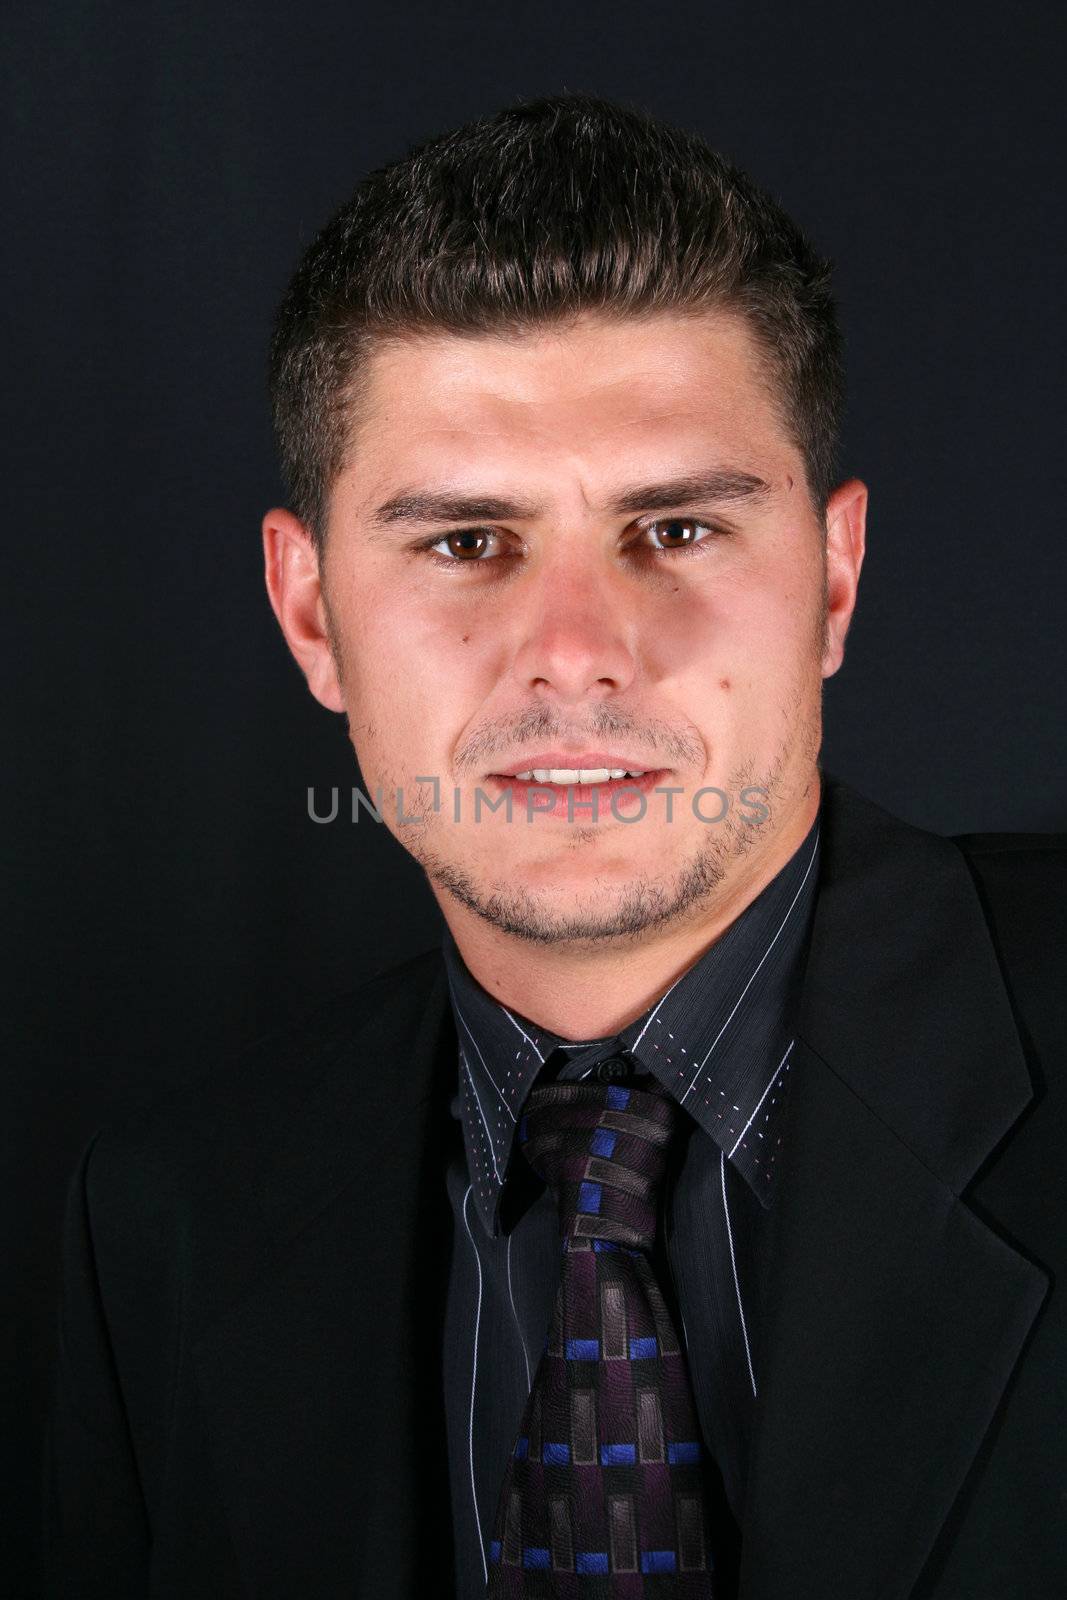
(720, 1040)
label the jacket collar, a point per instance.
(894, 1315)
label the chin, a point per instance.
(584, 868)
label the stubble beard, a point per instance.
(642, 904)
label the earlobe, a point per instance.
(846, 543)
(291, 572)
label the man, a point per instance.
(686, 1222)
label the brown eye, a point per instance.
(464, 544)
(676, 533)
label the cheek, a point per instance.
(720, 630)
(420, 674)
(739, 645)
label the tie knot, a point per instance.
(602, 1150)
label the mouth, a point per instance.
(587, 787)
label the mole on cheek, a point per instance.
(466, 636)
(724, 683)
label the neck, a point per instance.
(598, 990)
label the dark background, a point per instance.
(166, 894)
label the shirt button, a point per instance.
(614, 1067)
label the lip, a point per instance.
(570, 761)
(575, 802)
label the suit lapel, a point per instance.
(893, 1315)
(320, 1382)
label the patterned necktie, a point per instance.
(607, 1476)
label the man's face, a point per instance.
(570, 602)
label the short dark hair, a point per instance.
(548, 208)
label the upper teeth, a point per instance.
(576, 775)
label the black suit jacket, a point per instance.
(248, 1394)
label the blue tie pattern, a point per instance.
(607, 1492)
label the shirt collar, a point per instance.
(719, 1040)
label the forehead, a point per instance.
(581, 393)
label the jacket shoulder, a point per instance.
(1018, 874)
(206, 1148)
(1021, 883)
(984, 845)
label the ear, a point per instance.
(291, 569)
(846, 542)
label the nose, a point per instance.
(578, 643)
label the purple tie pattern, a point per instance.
(606, 1494)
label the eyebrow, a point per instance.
(720, 484)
